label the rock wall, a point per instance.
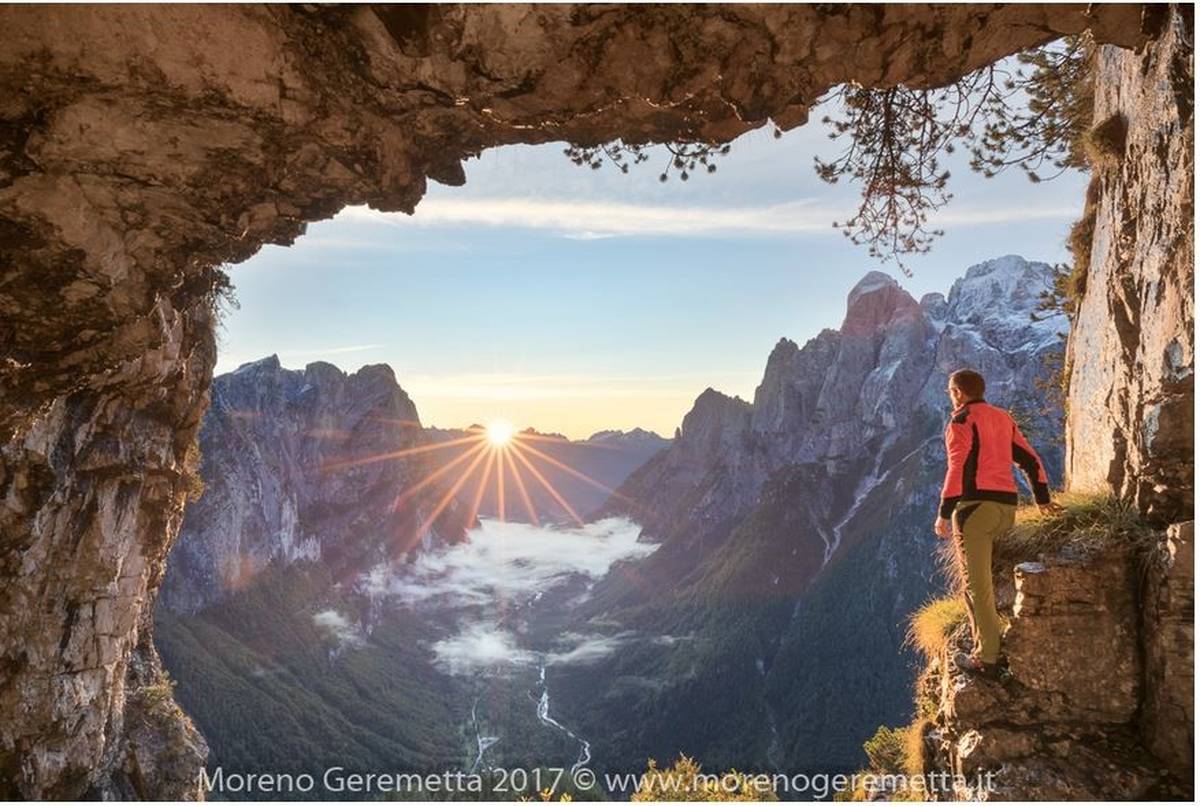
(292, 471)
(93, 485)
(1132, 349)
(1168, 717)
(142, 147)
(1100, 703)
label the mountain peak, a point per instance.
(268, 364)
(872, 281)
(784, 348)
(1005, 264)
(874, 301)
(636, 434)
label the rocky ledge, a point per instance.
(1099, 705)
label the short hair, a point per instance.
(969, 382)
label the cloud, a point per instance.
(587, 648)
(515, 564)
(967, 217)
(485, 646)
(480, 646)
(589, 220)
(339, 627)
(512, 562)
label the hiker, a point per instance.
(979, 503)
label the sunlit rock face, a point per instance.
(1101, 702)
(306, 465)
(142, 147)
(1132, 351)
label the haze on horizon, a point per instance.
(574, 300)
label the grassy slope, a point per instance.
(256, 674)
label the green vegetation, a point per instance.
(158, 696)
(894, 752)
(1033, 118)
(1104, 144)
(899, 750)
(1073, 284)
(685, 781)
(1087, 523)
(193, 481)
(274, 692)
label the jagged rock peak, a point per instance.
(711, 397)
(268, 364)
(783, 348)
(716, 419)
(1009, 282)
(999, 295)
(255, 383)
(381, 372)
(934, 305)
(876, 300)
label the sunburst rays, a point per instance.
(495, 459)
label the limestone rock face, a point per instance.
(142, 147)
(305, 465)
(1090, 611)
(162, 750)
(1099, 705)
(1168, 607)
(92, 487)
(1132, 350)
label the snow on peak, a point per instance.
(872, 281)
(999, 295)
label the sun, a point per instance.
(499, 433)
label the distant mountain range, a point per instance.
(764, 632)
(314, 465)
(585, 473)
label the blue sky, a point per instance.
(572, 299)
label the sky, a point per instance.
(573, 300)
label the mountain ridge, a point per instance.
(790, 523)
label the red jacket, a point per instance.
(982, 444)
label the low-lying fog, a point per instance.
(500, 570)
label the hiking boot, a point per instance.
(973, 665)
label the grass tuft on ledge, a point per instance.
(1088, 523)
(932, 626)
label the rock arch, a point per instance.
(143, 147)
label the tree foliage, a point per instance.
(1032, 116)
(683, 158)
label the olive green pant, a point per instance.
(977, 524)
